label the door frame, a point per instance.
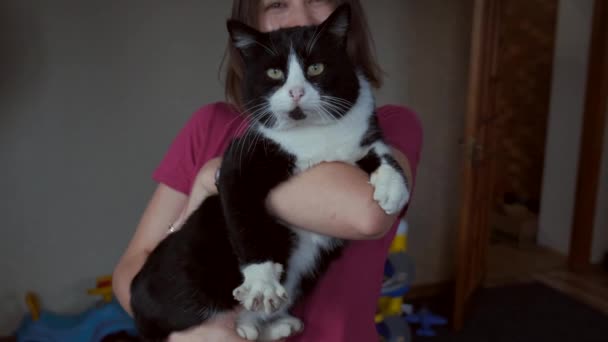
(470, 253)
(592, 142)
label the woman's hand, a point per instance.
(218, 329)
(203, 187)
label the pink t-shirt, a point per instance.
(343, 304)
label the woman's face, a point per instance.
(277, 14)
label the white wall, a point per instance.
(91, 94)
(564, 124)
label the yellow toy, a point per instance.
(398, 275)
(103, 288)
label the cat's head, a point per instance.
(299, 76)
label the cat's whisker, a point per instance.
(342, 104)
(331, 112)
(274, 48)
(336, 109)
(244, 114)
(336, 100)
(255, 113)
(269, 50)
(257, 135)
(254, 118)
(316, 37)
(337, 103)
(309, 44)
(240, 149)
(323, 113)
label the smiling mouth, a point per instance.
(297, 114)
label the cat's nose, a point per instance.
(296, 93)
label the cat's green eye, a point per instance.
(275, 74)
(315, 69)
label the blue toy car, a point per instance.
(90, 326)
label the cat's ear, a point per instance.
(243, 37)
(338, 23)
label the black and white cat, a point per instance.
(308, 104)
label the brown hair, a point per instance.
(360, 46)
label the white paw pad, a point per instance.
(262, 290)
(281, 328)
(390, 190)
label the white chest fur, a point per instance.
(311, 145)
(304, 257)
(339, 141)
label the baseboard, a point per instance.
(430, 290)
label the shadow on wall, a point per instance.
(21, 57)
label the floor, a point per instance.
(510, 264)
(590, 287)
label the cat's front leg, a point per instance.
(390, 185)
(261, 244)
(391, 190)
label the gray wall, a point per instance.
(424, 48)
(91, 95)
(564, 132)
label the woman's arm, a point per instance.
(331, 198)
(163, 209)
(334, 199)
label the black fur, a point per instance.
(373, 134)
(167, 293)
(370, 162)
(393, 163)
(245, 181)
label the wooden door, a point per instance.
(477, 172)
(509, 87)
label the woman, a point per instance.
(332, 198)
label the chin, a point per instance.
(284, 125)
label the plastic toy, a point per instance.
(103, 288)
(426, 319)
(398, 275)
(93, 325)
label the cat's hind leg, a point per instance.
(282, 326)
(248, 325)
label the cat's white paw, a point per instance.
(390, 190)
(261, 290)
(247, 330)
(281, 328)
